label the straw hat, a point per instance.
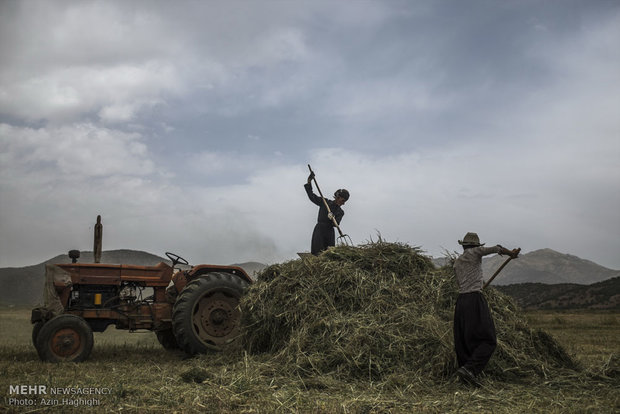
(471, 239)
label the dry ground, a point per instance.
(137, 375)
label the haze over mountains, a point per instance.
(543, 266)
(547, 266)
(24, 285)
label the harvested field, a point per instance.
(317, 349)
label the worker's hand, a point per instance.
(330, 216)
(310, 177)
(514, 253)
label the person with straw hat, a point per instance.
(474, 331)
(323, 234)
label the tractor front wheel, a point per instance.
(65, 338)
(206, 315)
(36, 328)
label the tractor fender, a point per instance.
(182, 278)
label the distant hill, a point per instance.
(24, 285)
(251, 268)
(539, 278)
(601, 295)
(544, 266)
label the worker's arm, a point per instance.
(483, 251)
(313, 197)
(514, 253)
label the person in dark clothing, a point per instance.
(323, 235)
(474, 331)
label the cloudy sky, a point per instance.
(188, 125)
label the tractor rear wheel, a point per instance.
(167, 340)
(65, 338)
(206, 315)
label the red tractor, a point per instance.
(195, 310)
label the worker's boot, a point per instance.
(467, 376)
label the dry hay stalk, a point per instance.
(378, 310)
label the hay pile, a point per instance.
(375, 311)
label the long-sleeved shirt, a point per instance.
(335, 209)
(468, 268)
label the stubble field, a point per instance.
(131, 372)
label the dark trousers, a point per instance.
(322, 237)
(474, 332)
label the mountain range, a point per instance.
(541, 278)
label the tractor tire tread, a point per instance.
(183, 307)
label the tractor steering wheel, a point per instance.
(176, 259)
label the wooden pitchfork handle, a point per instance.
(488, 282)
(325, 202)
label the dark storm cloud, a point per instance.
(188, 125)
